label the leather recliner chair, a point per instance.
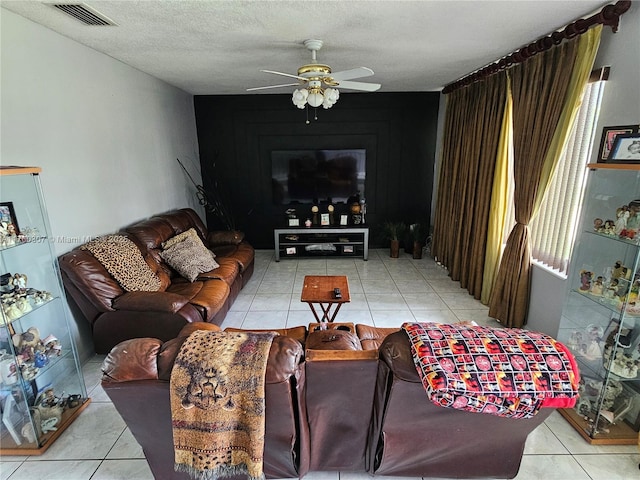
(136, 376)
(410, 436)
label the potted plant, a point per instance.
(419, 235)
(393, 231)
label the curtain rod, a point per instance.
(609, 15)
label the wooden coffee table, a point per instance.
(318, 289)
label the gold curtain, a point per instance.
(473, 121)
(546, 91)
(499, 202)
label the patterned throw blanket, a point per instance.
(504, 372)
(217, 404)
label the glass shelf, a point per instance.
(32, 368)
(593, 325)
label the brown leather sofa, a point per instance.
(345, 406)
(116, 315)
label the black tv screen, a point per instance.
(307, 176)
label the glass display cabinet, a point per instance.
(601, 313)
(41, 384)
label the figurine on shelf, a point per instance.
(609, 228)
(585, 280)
(72, 401)
(611, 392)
(576, 342)
(23, 305)
(622, 215)
(40, 296)
(331, 209)
(633, 222)
(314, 210)
(50, 417)
(41, 359)
(291, 213)
(28, 434)
(10, 310)
(612, 290)
(620, 271)
(621, 364)
(52, 346)
(18, 282)
(598, 224)
(628, 234)
(593, 350)
(597, 287)
(8, 236)
(26, 345)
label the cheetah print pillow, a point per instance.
(191, 233)
(189, 258)
(123, 260)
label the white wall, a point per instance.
(620, 106)
(106, 135)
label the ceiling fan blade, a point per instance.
(284, 74)
(273, 86)
(353, 73)
(367, 87)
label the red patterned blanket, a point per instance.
(504, 372)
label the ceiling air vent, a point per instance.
(84, 14)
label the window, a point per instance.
(553, 229)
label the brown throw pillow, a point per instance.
(189, 258)
(225, 237)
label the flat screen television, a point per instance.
(307, 176)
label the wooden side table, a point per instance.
(318, 289)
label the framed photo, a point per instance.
(344, 219)
(609, 135)
(8, 216)
(324, 219)
(626, 149)
(294, 222)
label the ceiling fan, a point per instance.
(319, 83)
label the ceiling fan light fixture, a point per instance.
(315, 97)
(317, 82)
(299, 97)
(331, 96)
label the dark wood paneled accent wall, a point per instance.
(398, 130)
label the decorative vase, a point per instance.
(395, 249)
(417, 249)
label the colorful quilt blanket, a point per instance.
(500, 371)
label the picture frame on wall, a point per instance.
(626, 149)
(609, 135)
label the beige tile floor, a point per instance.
(385, 292)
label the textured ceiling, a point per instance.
(219, 47)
